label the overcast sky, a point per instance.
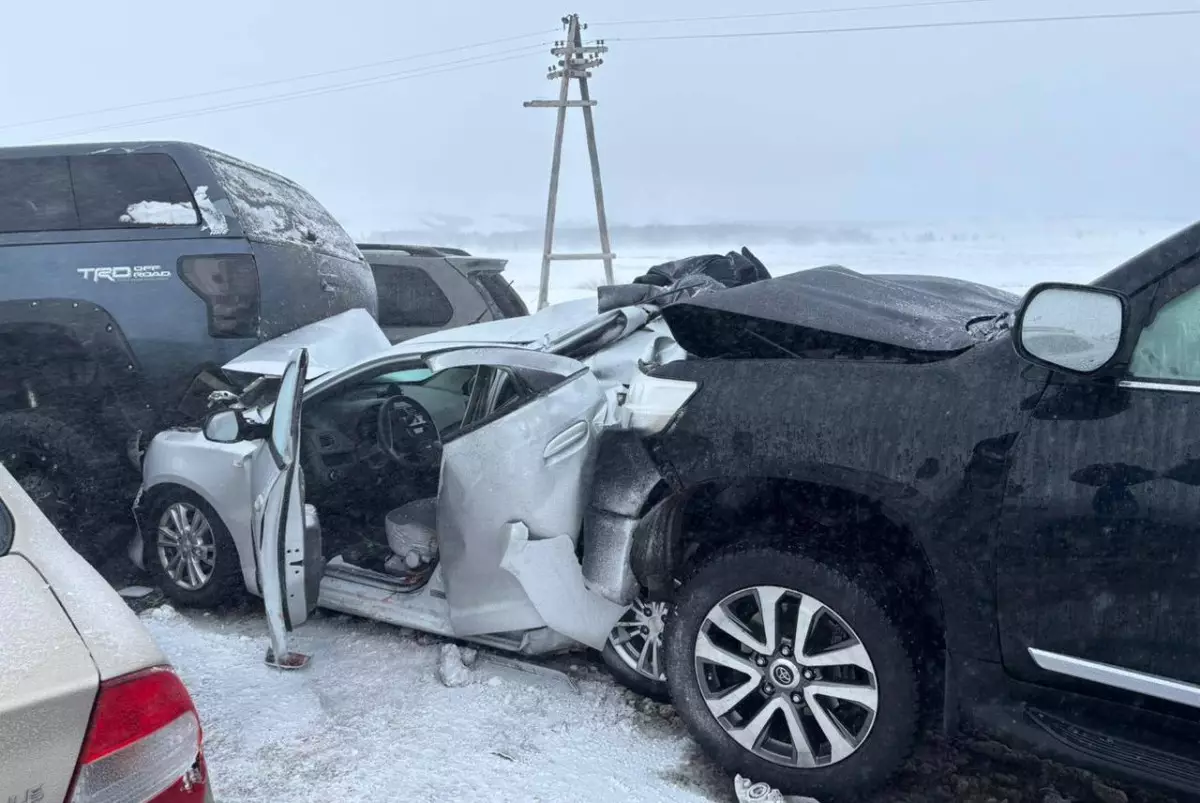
(1092, 118)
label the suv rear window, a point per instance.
(98, 191)
(410, 297)
(275, 210)
(495, 286)
(117, 190)
(36, 195)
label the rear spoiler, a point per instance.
(457, 257)
(415, 250)
(470, 264)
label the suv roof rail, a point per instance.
(415, 250)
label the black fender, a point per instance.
(99, 338)
(88, 324)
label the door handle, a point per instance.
(566, 440)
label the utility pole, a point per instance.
(576, 62)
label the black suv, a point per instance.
(897, 499)
(131, 272)
(425, 288)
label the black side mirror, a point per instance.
(1073, 328)
(225, 426)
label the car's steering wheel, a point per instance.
(406, 432)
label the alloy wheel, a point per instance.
(786, 677)
(187, 548)
(637, 639)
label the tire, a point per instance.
(624, 649)
(175, 509)
(839, 604)
(73, 479)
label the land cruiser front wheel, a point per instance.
(789, 670)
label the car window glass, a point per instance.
(36, 195)
(276, 210)
(131, 189)
(408, 296)
(281, 418)
(1169, 348)
(6, 529)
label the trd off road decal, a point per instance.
(124, 273)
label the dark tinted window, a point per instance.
(409, 297)
(6, 529)
(35, 195)
(131, 189)
(506, 299)
(539, 381)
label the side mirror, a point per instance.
(225, 426)
(1073, 328)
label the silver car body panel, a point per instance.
(277, 526)
(509, 574)
(540, 456)
(218, 472)
(64, 630)
(333, 343)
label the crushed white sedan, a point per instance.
(439, 484)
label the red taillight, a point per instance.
(229, 287)
(144, 739)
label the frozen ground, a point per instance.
(368, 719)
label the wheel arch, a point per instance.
(164, 485)
(844, 522)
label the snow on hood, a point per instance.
(835, 309)
(333, 343)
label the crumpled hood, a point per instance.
(833, 309)
(333, 343)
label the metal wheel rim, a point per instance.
(637, 639)
(786, 677)
(187, 548)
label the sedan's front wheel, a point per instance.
(786, 670)
(634, 652)
(190, 552)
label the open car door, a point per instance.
(289, 583)
(514, 485)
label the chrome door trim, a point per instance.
(1139, 384)
(1116, 677)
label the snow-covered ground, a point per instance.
(369, 719)
(1011, 258)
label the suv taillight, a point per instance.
(143, 743)
(229, 286)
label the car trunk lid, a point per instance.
(48, 683)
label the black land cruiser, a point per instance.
(131, 271)
(891, 497)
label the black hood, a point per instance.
(833, 311)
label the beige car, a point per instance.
(90, 712)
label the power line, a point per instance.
(421, 72)
(277, 81)
(805, 12)
(908, 26)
